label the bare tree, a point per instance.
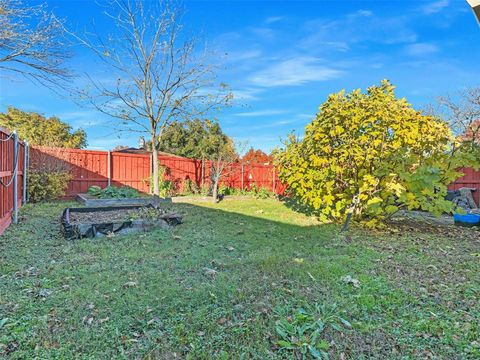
(32, 43)
(157, 74)
(463, 113)
(222, 161)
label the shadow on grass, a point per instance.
(296, 205)
(221, 274)
(212, 286)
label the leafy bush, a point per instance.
(113, 192)
(44, 186)
(166, 186)
(48, 175)
(226, 190)
(264, 193)
(95, 190)
(367, 155)
(301, 333)
(189, 187)
(260, 193)
(205, 189)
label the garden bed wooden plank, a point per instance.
(89, 200)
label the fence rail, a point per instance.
(13, 166)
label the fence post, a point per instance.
(25, 167)
(243, 176)
(15, 179)
(274, 181)
(151, 173)
(109, 172)
(203, 173)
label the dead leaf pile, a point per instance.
(347, 279)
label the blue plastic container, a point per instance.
(467, 220)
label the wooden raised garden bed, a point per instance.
(93, 222)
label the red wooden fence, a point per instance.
(89, 167)
(100, 168)
(9, 162)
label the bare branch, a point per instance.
(32, 43)
(463, 113)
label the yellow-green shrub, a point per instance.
(368, 155)
(44, 186)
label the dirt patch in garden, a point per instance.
(104, 216)
(110, 215)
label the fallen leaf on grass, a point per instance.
(264, 311)
(87, 320)
(230, 248)
(3, 322)
(153, 320)
(298, 260)
(130, 284)
(222, 321)
(350, 280)
(210, 272)
(346, 323)
(44, 293)
(216, 264)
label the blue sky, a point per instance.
(284, 58)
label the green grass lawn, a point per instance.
(219, 285)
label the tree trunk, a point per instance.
(155, 179)
(215, 188)
(350, 213)
(347, 221)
